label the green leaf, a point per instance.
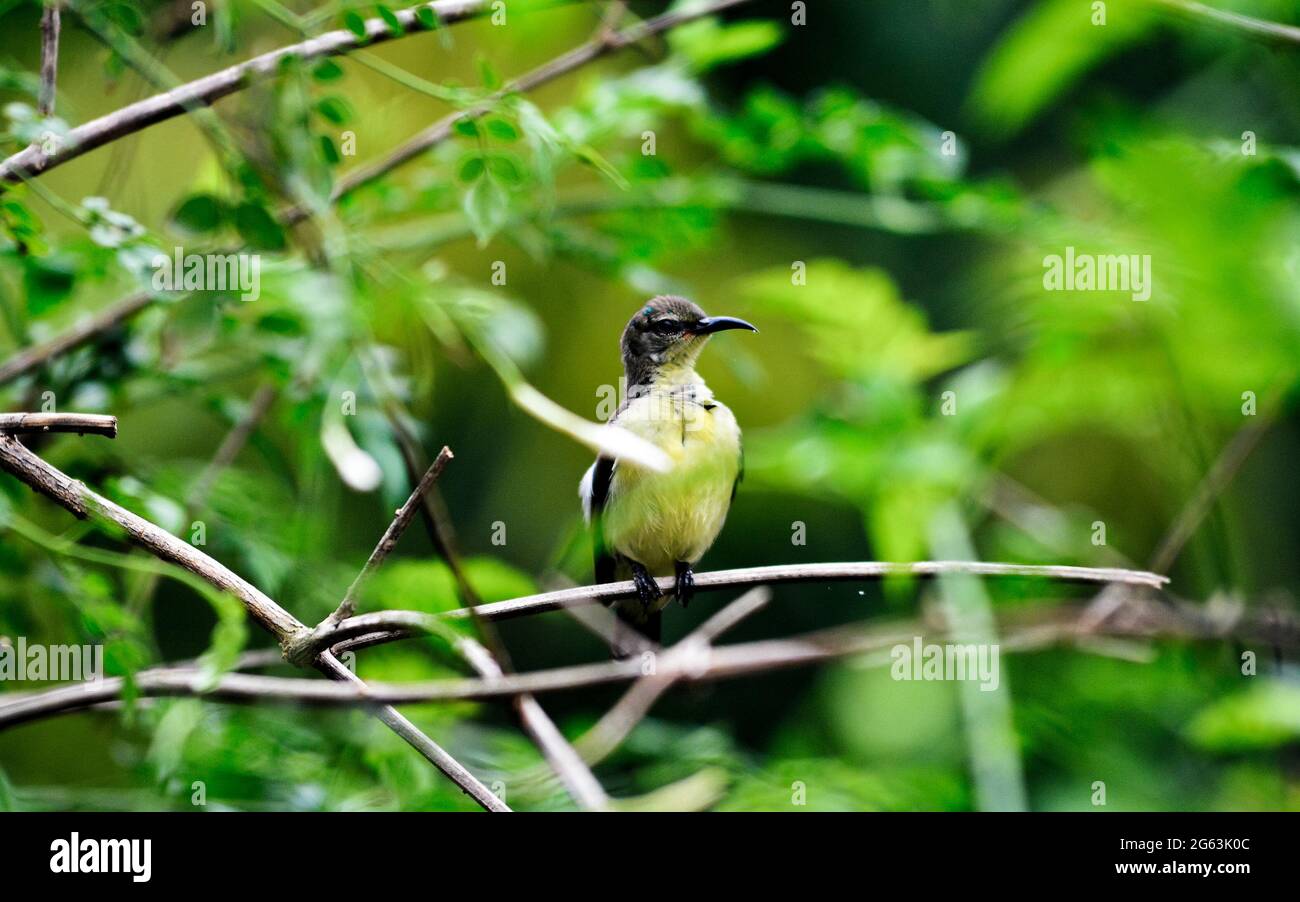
(487, 205)
(355, 23)
(199, 214)
(329, 151)
(327, 70)
(501, 129)
(335, 109)
(505, 168)
(427, 17)
(467, 127)
(471, 168)
(592, 157)
(1045, 52)
(390, 19)
(857, 324)
(1266, 716)
(488, 73)
(707, 43)
(48, 281)
(258, 227)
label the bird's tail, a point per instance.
(651, 627)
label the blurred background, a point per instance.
(876, 185)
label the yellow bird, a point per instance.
(648, 524)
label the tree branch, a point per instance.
(606, 41)
(82, 502)
(609, 732)
(30, 469)
(31, 358)
(1019, 632)
(80, 423)
(49, 57)
(440, 131)
(786, 573)
(329, 665)
(388, 541)
(130, 119)
(564, 760)
(581, 783)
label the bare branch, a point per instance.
(566, 762)
(1036, 629)
(204, 91)
(49, 57)
(435, 134)
(391, 718)
(609, 732)
(82, 502)
(786, 573)
(1217, 479)
(605, 42)
(31, 358)
(388, 541)
(80, 423)
(231, 445)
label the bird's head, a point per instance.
(670, 331)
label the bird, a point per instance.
(648, 524)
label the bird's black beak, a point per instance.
(711, 324)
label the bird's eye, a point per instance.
(667, 326)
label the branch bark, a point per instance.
(130, 119)
(30, 469)
(388, 541)
(606, 41)
(49, 57)
(1019, 632)
(440, 131)
(29, 359)
(80, 423)
(786, 573)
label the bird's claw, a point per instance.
(647, 590)
(685, 590)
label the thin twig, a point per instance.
(82, 502)
(609, 732)
(258, 407)
(49, 57)
(80, 423)
(784, 573)
(1260, 28)
(1217, 479)
(605, 42)
(1019, 632)
(130, 119)
(393, 719)
(564, 760)
(30, 358)
(388, 541)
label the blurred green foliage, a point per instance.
(878, 189)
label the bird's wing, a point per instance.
(740, 472)
(595, 492)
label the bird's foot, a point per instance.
(646, 588)
(685, 583)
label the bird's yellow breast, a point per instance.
(659, 518)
